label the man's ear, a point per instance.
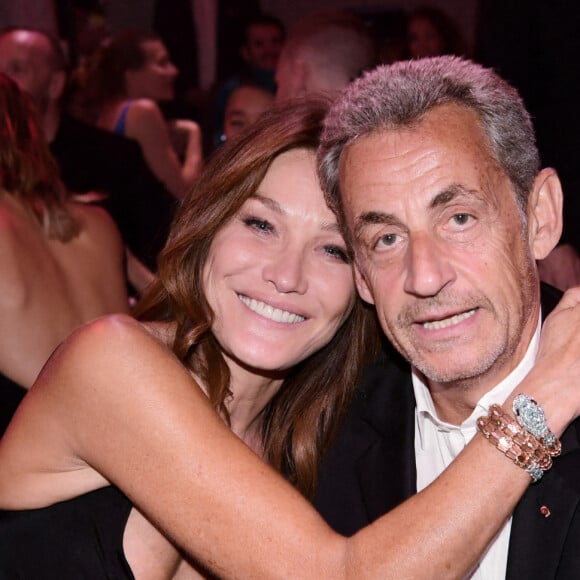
(545, 213)
(56, 85)
(362, 286)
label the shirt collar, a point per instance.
(426, 408)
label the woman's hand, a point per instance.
(555, 379)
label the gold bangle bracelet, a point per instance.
(525, 450)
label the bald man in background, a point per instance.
(323, 53)
(89, 158)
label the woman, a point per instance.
(61, 263)
(131, 74)
(253, 327)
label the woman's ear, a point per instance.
(362, 286)
(545, 213)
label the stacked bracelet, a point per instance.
(531, 417)
(513, 439)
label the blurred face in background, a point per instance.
(155, 79)
(25, 56)
(423, 38)
(263, 46)
(244, 106)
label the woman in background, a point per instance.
(61, 263)
(130, 74)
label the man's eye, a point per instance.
(461, 218)
(387, 240)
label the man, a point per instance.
(433, 167)
(89, 159)
(323, 53)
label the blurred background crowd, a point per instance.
(179, 77)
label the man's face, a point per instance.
(25, 58)
(441, 249)
(263, 46)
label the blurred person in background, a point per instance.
(130, 74)
(61, 264)
(89, 159)
(245, 104)
(432, 32)
(263, 39)
(324, 52)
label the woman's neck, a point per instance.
(250, 394)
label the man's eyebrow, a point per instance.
(369, 218)
(455, 190)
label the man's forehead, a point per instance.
(26, 44)
(447, 126)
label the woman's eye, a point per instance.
(338, 253)
(258, 224)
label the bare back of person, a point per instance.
(49, 287)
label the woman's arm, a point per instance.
(114, 399)
(146, 125)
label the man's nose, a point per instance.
(428, 269)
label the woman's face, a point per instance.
(277, 276)
(155, 79)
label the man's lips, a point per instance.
(448, 321)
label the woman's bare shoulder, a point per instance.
(144, 109)
(109, 336)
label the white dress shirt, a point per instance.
(437, 443)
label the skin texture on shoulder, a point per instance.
(49, 287)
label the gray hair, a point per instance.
(400, 95)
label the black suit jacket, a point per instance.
(370, 469)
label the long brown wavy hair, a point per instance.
(28, 171)
(300, 420)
